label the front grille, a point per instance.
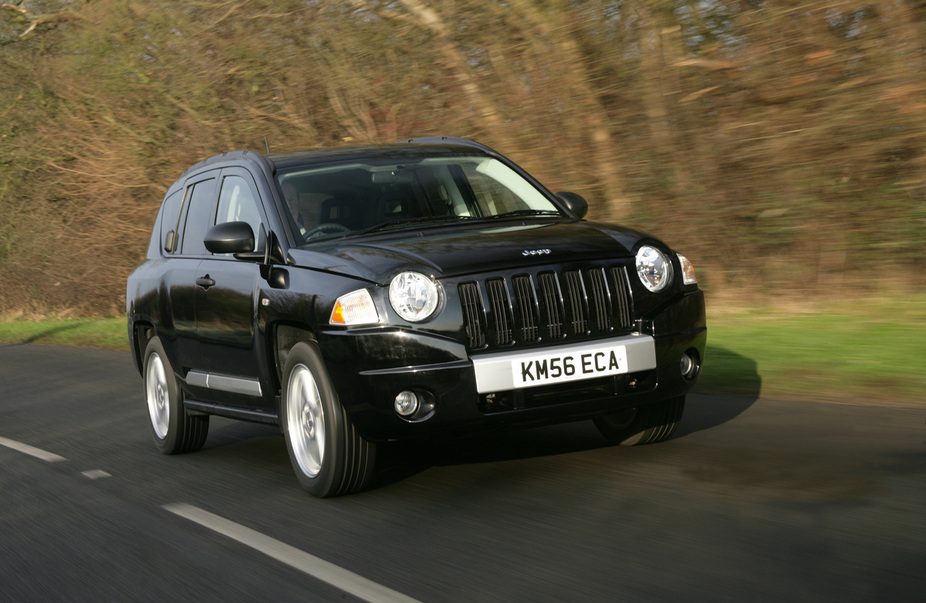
(500, 316)
(472, 311)
(546, 306)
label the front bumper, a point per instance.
(369, 368)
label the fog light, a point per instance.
(407, 403)
(688, 366)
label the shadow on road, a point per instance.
(397, 461)
(401, 460)
(704, 410)
(731, 385)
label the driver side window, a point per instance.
(238, 204)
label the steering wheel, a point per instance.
(326, 228)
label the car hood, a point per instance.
(458, 251)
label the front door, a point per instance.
(226, 302)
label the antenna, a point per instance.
(267, 144)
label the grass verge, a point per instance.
(864, 352)
(108, 333)
(868, 352)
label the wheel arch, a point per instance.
(284, 336)
(142, 332)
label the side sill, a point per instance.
(241, 414)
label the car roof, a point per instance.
(371, 152)
(270, 163)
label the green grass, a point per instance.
(868, 352)
(107, 333)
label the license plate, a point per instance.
(587, 363)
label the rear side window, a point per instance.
(199, 217)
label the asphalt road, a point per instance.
(752, 500)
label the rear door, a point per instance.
(180, 338)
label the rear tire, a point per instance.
(328, 456)
(644, 424)
(174, 430)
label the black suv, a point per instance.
(354, 296)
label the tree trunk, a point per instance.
(586, 107)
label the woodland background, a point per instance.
(781, 145)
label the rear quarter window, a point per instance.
(170, 216)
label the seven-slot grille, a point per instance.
(546, 306)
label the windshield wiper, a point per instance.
(416, 221)
(403, 222)
(524, 212)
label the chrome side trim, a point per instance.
(494, 373)
(225, 383)
(197, 379)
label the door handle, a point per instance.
(205, 282)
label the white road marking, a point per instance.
(48, 457)
(338, 577)
(95, 474)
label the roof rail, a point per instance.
(463, 142)
(253, 156)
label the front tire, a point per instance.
(328, 456)
(644, 424)
(174, 430)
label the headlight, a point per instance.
(414, 296)
(688, 273)
(653, 268)
(354, 308)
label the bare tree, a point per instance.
(35, 22)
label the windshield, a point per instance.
(357, 197)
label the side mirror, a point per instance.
(575, 203)
(230, 237)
